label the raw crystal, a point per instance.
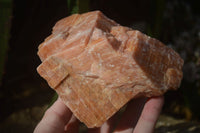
(96, 66)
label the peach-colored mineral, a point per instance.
(96, 66)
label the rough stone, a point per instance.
(96, 66)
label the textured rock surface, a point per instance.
(96, 66)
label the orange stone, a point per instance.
(96, 66)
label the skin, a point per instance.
(140, 116)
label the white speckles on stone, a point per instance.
(52, 39)
(68, 91)
(104, 79)
(100, 63)
(91, 49)
(111, 65)
(144, 49)
(130, 65)
(168, 56)
(117, 80)
(87, 74)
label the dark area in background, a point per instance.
(126, 12)
(32, 22)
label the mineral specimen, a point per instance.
(96, 66)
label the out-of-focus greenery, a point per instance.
(78, 6)
(5, 16)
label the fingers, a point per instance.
(149, 115)
(130, 116)
(58, 115)
(54, 119)
(107, 127)
(72, 126)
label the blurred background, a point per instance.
(24, 24)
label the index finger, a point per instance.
(54, 119)
(149, 116)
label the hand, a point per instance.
(140, 116)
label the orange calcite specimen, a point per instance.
(96, 66)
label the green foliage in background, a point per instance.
(78, 6)
(54, 98)
(5, 16)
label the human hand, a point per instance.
(140, 116)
